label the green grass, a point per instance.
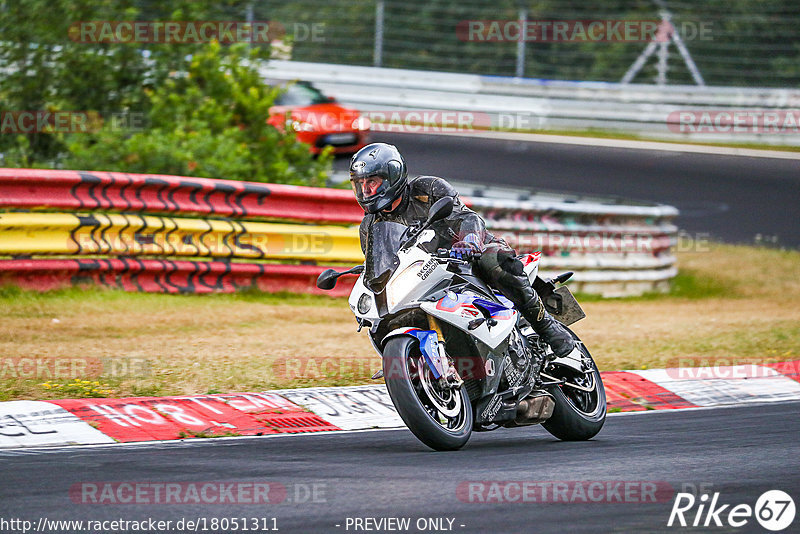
(688, 284)
(720, 310)
(29, 303)
(694, 285)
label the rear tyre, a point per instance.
(579, 414)
(440, 418)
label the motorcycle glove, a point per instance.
(467, 248)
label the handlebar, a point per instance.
(443, 256)
(454, 261)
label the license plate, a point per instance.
(341, 139)
(569, 311)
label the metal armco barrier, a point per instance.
(179, 234)
(535, 104)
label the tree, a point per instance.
(210, 124)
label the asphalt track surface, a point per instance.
(730, 198)
(738, 451)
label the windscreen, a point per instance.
(383, 242)
(301, 94)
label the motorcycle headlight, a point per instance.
(402, 284)
(364, 304)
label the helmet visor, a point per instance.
(367, 187)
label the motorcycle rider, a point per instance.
(379, 178)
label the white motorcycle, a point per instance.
(457, 356)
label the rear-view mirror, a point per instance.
(441, 209)
(327, 279)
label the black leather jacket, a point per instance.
(420, 194)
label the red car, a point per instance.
(319, 120)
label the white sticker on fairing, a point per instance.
(489, 367)
(491, 409)
(427, 269)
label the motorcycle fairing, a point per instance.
(464, 308)
(501, 406)
(359, 289)
(530, 263)
(428, 346)
(497, 312)
(503, 300)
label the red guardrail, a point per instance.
(639, 237)
(116, 191)
(164, 276)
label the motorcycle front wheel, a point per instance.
(441, 418)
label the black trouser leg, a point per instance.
(499, 266)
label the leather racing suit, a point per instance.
(497, 265)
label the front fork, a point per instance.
(431, 344)
(450, 378)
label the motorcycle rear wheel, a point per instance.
(578, 415)
(440, 418)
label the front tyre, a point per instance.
(440, 418)
(580, 410)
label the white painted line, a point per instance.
(189, 442)
(27, 426)
(703, 408)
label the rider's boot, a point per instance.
(499, 265)
(551, 331)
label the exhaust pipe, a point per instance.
(534, 409)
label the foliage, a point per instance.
(78, 388)
(209, 122)
(743, 42)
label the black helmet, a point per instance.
(378, 160)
